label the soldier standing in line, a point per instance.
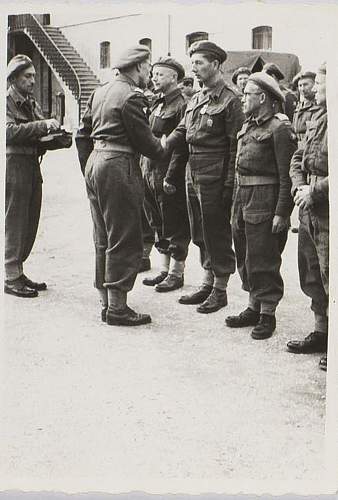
(262, 203)
(115, 127)
(167, 213)
(209, 127)
(240, 78)
(310, 189)
(187, 88)
(288, 106)
(25, 125)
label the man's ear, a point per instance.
(263, 98)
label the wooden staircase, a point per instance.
(60, 55)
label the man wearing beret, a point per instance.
(262, 203)
(240, 77)
(306, 106)
(25, 125)
(167, 213)
(310, 189)
(288, 106)
(187, 87)
(209, 127)
(114, 131)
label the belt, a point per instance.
(110, 146)
(21, 150)
(201, 150)
(255, 180)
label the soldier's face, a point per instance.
(241, 81)
(305, 87)
(252, 98)
(25, 81)
(320, 89)
(202, 68)
(144, 73)
(163, 78)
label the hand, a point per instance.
(52, 124)
(279, 223)
(164, 142)
(168, 188)
(303, 197)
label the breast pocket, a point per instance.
(261, 146)
(213, 120)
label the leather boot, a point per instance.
(196, 297)
(248, 317)
(155, 280)
(19, 288)
(126, 317)
(264, 328)
(34, 285)
(314, 342)
(215, 301)
(172, 282)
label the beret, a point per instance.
(303, 74)
(242, 70)
(170, 62)
(210, 48)
(267, 83)
(273, 69)
(18, 63)
(322, 69)
(132, 56)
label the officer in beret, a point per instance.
(187, 87)
(262, 204)
(288, 106)
(25, 125)
(240, 77)
(209, 127)
(310, 189)
(167, 213)
(114, 130)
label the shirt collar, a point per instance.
(17, 97)
(169, 97)
(214, 92)
(263, 116)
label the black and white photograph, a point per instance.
(168, 323)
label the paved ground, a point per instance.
(182, 399)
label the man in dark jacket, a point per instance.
(262, 203)
(114, 131)
(25, 125)
(167, 213)
(310, 188)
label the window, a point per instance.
(146, 42)
(104, 54)
(262, 38)
(195, 37)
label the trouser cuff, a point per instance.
(177, 267)
(208, 278)
(321, 323)
(268, 309)
(117, 299)
(13, 271)
(254, 304)
(221, 282)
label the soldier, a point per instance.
(25, 125)
(209, 127)
(187, 87)
(240, 77)
(167, 213)
(262, 203)
(288, 107)
(310, 188)
(116, 128)
(306, 106)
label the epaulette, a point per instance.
(282, 117)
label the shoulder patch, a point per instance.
(282, 117)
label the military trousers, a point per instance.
(115, 191)
(167, 214)
(313, 258)
(208, 215)
(258, 250)
(22, 210)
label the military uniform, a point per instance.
(25, 125)
(167, 214)
(209, 127)
(265, 146)
(303, 113)
(116, 128)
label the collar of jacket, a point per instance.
(214, 92)
(262, 117)
(17, 97)
(169, 97)
(127, 79)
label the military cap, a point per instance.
(17, 64)
(273, 70)
(170, 62)
(132, 56)
(240, 71)
(267, 83)
(303, 74)
(207, 47)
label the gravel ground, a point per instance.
(182, 400)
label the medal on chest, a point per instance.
(209, 122)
